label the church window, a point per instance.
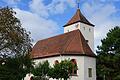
(77, 25)
(87, 41)
(90, 72)
(84, 28)
(56, 61)
(74, 71)
(68, 30)
(89, 30)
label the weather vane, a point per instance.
(78, 3)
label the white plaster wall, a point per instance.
(71, 27)
(83, 63)
(84, 28)
(90, 62)
(51, 60)
(88, 34)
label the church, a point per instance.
(76, 43)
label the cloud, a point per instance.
(59, 6)
(54, 7)
(11, 2)
(102, 16)
(39, 27)
(37, 6)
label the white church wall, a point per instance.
(90, 62)
(51, 60)
(88, 33)
(80, 64)
(72, 27)
(86, 30)
(83, 64)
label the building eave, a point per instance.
(65, 54)
(77, 22)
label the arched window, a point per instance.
(74, 71)
(56, 61)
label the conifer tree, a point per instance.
(108, 59)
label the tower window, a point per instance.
(77, 25)
(90, 72)
(89, 30)
(84, 28)
(67, 30)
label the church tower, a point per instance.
(78, 21)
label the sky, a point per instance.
(46, 18)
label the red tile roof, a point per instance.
(71, 43)
(78, 17)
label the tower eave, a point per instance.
(77, 22)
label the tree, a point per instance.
(14, 39)
(15, 68)
(15, 46)
(41, 70)
(62, 70)
(108, 59)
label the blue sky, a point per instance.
(45, 18)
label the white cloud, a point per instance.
(39, 27)
(55, 7)
(101, 15)
(11, 2)
(59, 6)
(38, 7)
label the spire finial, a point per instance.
(78, 3)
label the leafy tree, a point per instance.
(14, 68)
(14, 40)
(62, 70)
(108, 59)
(15, 45)
(41, 70)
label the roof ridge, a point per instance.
(81, 41)
(84, 44)
(70, 41)
(56, 36)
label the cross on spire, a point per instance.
(78, 3)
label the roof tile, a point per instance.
(70, 43)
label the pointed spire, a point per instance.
(78, 17)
